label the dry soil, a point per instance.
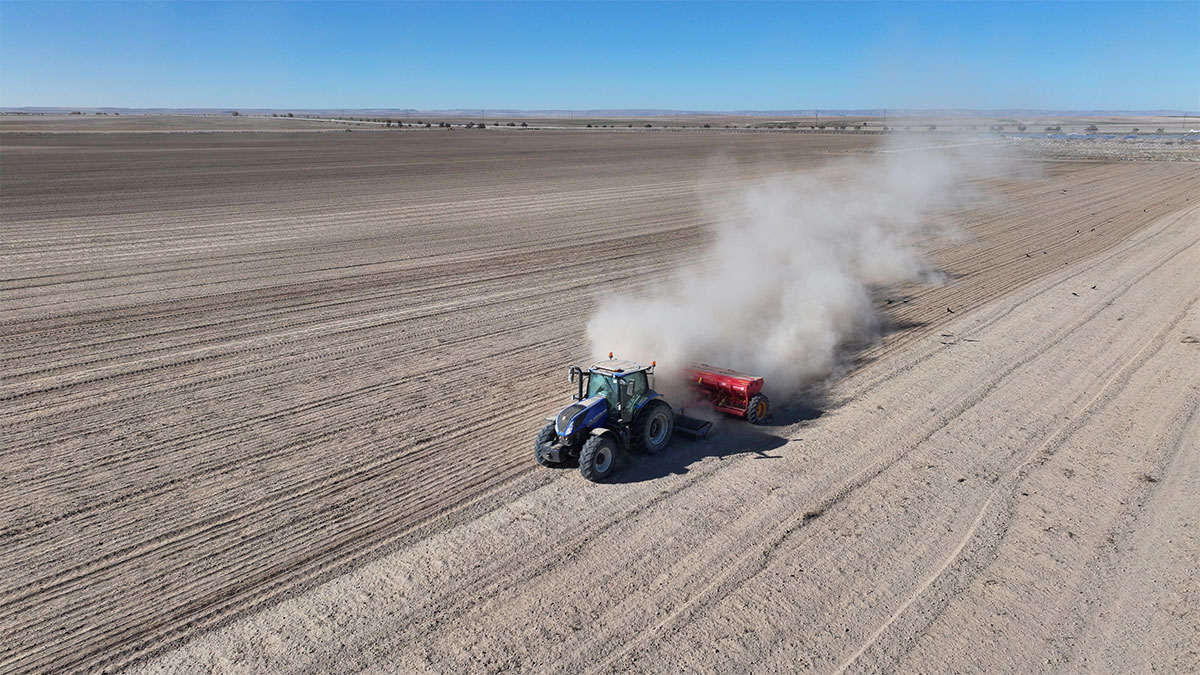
(268, 401)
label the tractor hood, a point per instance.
(586, 414)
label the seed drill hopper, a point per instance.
(729, 391)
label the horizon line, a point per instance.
(462, 111)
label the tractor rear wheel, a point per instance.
(653, 428)
(598, 458)
(541, 447)
(758, 410)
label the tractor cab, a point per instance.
(624, 385)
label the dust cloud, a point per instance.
(786, 284)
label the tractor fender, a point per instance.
(616, 437)
(651, 396)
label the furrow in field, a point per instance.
(210, 406)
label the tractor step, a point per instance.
(691, 426)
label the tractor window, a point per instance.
(604, 386)
(639, 389)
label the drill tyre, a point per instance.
(653, 428)
(758, 410)
(545, 439)
(598, 458)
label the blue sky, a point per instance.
(581, 55)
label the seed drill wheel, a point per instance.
(542, 446)
(758, 410)
(653, 428)
(598, 458)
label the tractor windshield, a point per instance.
(603, 385)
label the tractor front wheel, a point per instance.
(653, 428)
(758, 410)
(598, 458)
(541, 447)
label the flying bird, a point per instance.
(949, 310)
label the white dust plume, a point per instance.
(785, 284)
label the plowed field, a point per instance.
(285, 386)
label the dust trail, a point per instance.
(786, 282)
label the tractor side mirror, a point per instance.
(629, 390)
(572, 373)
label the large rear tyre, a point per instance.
(541, 447)
(598, 458)
(759, 410)
(653, 428)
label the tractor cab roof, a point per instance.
(617, 367)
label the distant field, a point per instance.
(148, 123)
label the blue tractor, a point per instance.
(615, 410)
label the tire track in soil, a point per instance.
(990, 525)
(761, 548)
